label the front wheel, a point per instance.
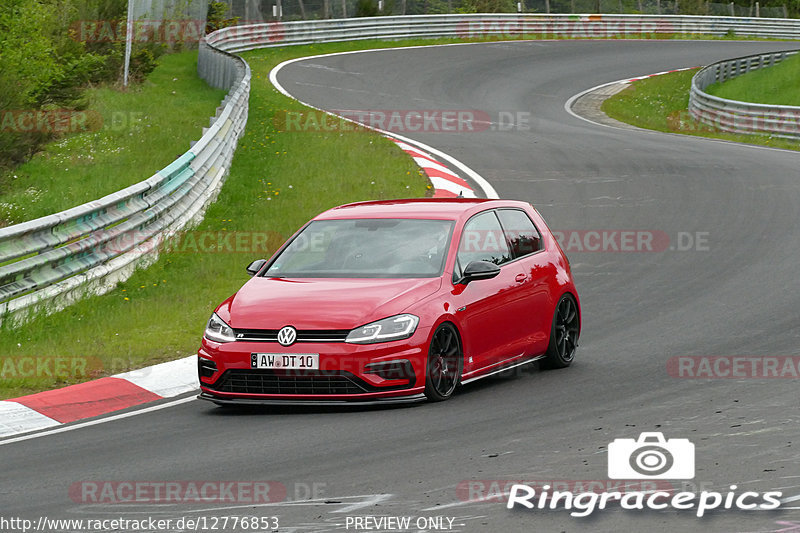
(445, 363)
(563, 334)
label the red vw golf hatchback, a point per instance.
(394, 301)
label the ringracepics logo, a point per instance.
(650, 457)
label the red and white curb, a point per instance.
(446, 183)
(101, 396)
(629, 80)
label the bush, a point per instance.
(215, 18)
(367, 8)
(44, 63)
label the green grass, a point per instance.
(278, 180)
(776, 85)
(662, 103)
(142, 130)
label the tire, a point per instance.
(564, 333)
(445, 363)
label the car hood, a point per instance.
(271, 303)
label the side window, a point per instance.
(482, 240)
(520, 232)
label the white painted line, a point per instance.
(64, 429)
(316, 502)
(371, 501)
(17, 418)
(461, 503)
(166, 379)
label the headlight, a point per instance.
(389, 329)
(217, 330)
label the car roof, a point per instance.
(433, 208)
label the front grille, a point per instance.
(309, 335)
(288, 382)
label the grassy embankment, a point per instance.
(661, 103)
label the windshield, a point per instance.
(366, 248)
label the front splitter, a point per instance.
(314, 403)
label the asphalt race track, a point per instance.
(735, 293)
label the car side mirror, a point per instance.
(255, 266)
(477, 270)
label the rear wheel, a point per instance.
(563, 334)
(445, 363)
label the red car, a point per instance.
(391, 301)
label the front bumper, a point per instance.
(347, 372)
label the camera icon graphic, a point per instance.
(651, 457)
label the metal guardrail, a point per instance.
(87, 249)
(505, 25)
(742, 117)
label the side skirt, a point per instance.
(502, 369)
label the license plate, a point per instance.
(288, 361)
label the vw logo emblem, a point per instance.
(287, 335)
